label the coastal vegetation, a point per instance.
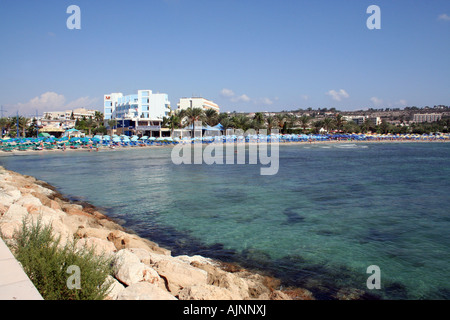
(47, 264)
(288, 123)
(92, 124)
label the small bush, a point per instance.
(46, 264)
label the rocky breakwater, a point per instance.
(143, 270)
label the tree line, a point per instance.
(288, 123)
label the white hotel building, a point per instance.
(140, 113)
(197, 103)
(427, 117)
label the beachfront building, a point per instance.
(359, 120)
(197, 102)
(74, 114)
(140, 113)
(427, 117)
(57, 123)
(65, 119)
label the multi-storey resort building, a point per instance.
(140, 113)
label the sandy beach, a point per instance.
(118, 148)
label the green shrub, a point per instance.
(46, 264)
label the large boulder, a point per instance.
(93, 232)
(179, 275)
(62, 231)
(42, 197)
(8, 195)
(130, 270)
(15, 213)
(138, 272)
(75, 222)
(237, 286)
(196, 259)
(50, 214)
(9, 228)
(206, 292)
(28, 200)
(144, 291)
(100, 246)
(125, 256)
(115, 287)
(149, 257)
(125, 240)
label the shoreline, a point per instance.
(146, 271)
(305, 143)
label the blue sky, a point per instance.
(245, 55)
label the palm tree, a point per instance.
(241, 122)
(226, 124)
(174, 122)
(98, 116)
(280, 119)
(271, 123)
(327, 124)
(222, 116)
(304, 120)
(317, 126)
(339, 121)
(112, 123)
(23, 123)
(384, 127)
(4, 123)
(291, 121)
(193, 115)
(89, 123)
(259, 118)
(365, 127)
(211, 117)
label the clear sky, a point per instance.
(245, 55)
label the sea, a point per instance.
(335, 219)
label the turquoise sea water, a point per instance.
(331, 211)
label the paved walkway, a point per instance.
(14, 283)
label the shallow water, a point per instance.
(331, 211)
